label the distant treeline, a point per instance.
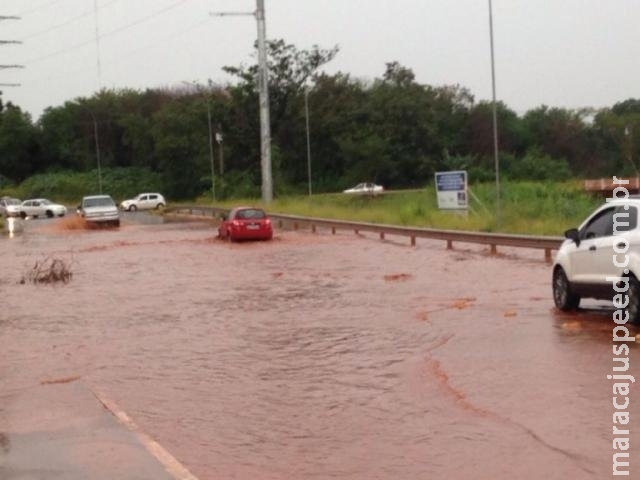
(391, 130)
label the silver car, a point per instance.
(99, 210)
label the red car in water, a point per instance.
(246, 223)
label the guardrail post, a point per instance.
(413, 240)
(381, 235)
(313, 228)
(494, 249)
(449, 244)
(357, 232)
(547, 255)
(279, 223)
(333, 230)
(295, 225)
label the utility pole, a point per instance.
(265, 128)
(306, 114)
(198, 88)
(263, 87)
(213, 178)
(495, 119)
(97, 142)
(97, 36)
(219, 139)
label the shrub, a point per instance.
(48, 270)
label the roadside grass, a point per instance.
(534, 208)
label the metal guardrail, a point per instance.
(494, 240)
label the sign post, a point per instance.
(451, 190)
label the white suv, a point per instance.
(605, 246)
(144, 201)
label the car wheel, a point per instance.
(23, 215)
(633, 308)
(160, 206)
(563, 297)
(132, 208)
(49, 214)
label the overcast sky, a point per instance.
(566, 53)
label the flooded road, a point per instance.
(318, 356)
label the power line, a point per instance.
(107, 34)
(67, 22)
(129, 53)
(41, 7)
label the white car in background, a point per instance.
(144, 201)
(41, 207)
(10, 207)
(99, 210)
(365, 189)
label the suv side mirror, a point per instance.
(572, 234)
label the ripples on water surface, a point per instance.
(318, 356)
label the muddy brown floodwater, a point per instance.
(319, 356)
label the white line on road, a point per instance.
(170, 463)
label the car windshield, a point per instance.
(250, 213)
(12, 201)
(98, 202)
(45, 202)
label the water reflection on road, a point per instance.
(318, 356)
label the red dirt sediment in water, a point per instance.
(72, 223)
(60, 380)
(396, 377)
(462, 303)
(397, 277)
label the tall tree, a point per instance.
(19, 144)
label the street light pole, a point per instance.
(306, 111)
(95, 136)
(495, 119)
(213, 179)
(221, 150)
